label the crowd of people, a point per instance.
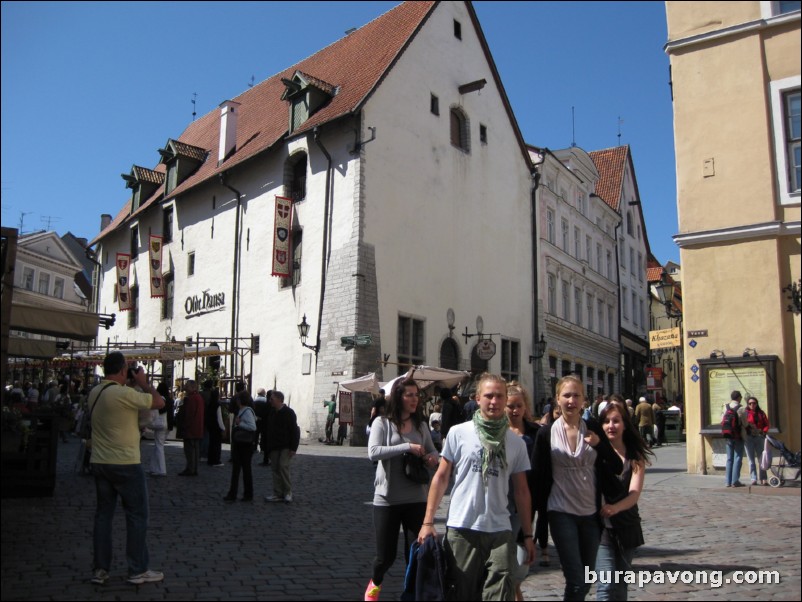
(573, 470)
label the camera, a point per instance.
(132, 372)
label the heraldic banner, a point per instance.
(155, 255)
(123, 281)
(282, 238)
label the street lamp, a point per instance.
(303, 330)
(540, 349)
(665, 293)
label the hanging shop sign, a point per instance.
(205, 303)
(171, 351)
(664, 339)
(485, 349)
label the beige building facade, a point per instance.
(735, 70)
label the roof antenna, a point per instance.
(620, 121)
(573, 129)
(250, 85)
(194, 96)
(47, 219)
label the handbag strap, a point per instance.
(97, 399)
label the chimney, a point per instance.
(105, 220)
(228, 129)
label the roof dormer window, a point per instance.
(181, 160)
(144, 183)
(306, 95)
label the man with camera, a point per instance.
(117, 468)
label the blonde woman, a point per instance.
(568, 455)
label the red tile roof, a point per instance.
(611, 163)
(654, 274)
(355, 64)
(143, 174)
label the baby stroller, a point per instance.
(786, 467)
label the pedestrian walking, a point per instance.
(283, 438)
(193, 412)
(484, 457)
(117, 468)
(243, 442)
(622, 532)
(568, 455)
(398, 501)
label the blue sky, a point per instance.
(91, 88)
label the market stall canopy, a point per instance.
(428, 376)
(368, 383)
(140, 354)
(32, 348)
(77, 325)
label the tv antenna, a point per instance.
(620, 121)
(22, 215)
(250, 85)
(194, 97)
(47, 219)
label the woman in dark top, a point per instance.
(622, 530)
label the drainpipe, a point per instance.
(537, 369)
(621, 300)
(235, 271)
(326, 242)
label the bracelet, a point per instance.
(428, 524)
(530, 536)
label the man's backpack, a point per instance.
(730, 426)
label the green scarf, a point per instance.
(492, 434)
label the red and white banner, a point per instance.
(123, 281)
(282, 238)
(155, 256)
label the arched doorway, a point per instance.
(449, 354)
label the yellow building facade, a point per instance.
(735, 78)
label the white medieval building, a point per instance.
(385, 176)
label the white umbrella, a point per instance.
(427, 376)
(367, 383)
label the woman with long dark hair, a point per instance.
(622, 530)
(398, 500)
(757, 425)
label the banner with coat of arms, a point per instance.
(123, 281)
(282, 238)
(155, 256)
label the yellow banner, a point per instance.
(664, 339)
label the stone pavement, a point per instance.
(320, 547)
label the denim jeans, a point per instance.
(609, 560)
(577, 541)
(735, 456)
(128, 482)
(754, 450)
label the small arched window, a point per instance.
(629, 224)
(295, 177)
(460, 130)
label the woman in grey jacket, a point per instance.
(397, 500)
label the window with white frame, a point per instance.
(642, 313)
(566, 301)
(410, 343)
(621, 254)
(577, 243)
(785, 107)
(599, 258)
(552, 294)
(600, 315)
(44, 283)
(551, 228)
(578, 305)
(589, 250)
(27, 279)
(565, 234)
(582, 203)
(58, 288)
(510, 359)
(609, 265)
(610, 323)
(633, 267)
(635, 313)
(589, 308)
(625, 302)
(641, 268)
(133, 313)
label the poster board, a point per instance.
(752, 376)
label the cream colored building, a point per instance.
(735, 69)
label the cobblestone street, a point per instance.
(320, 547)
